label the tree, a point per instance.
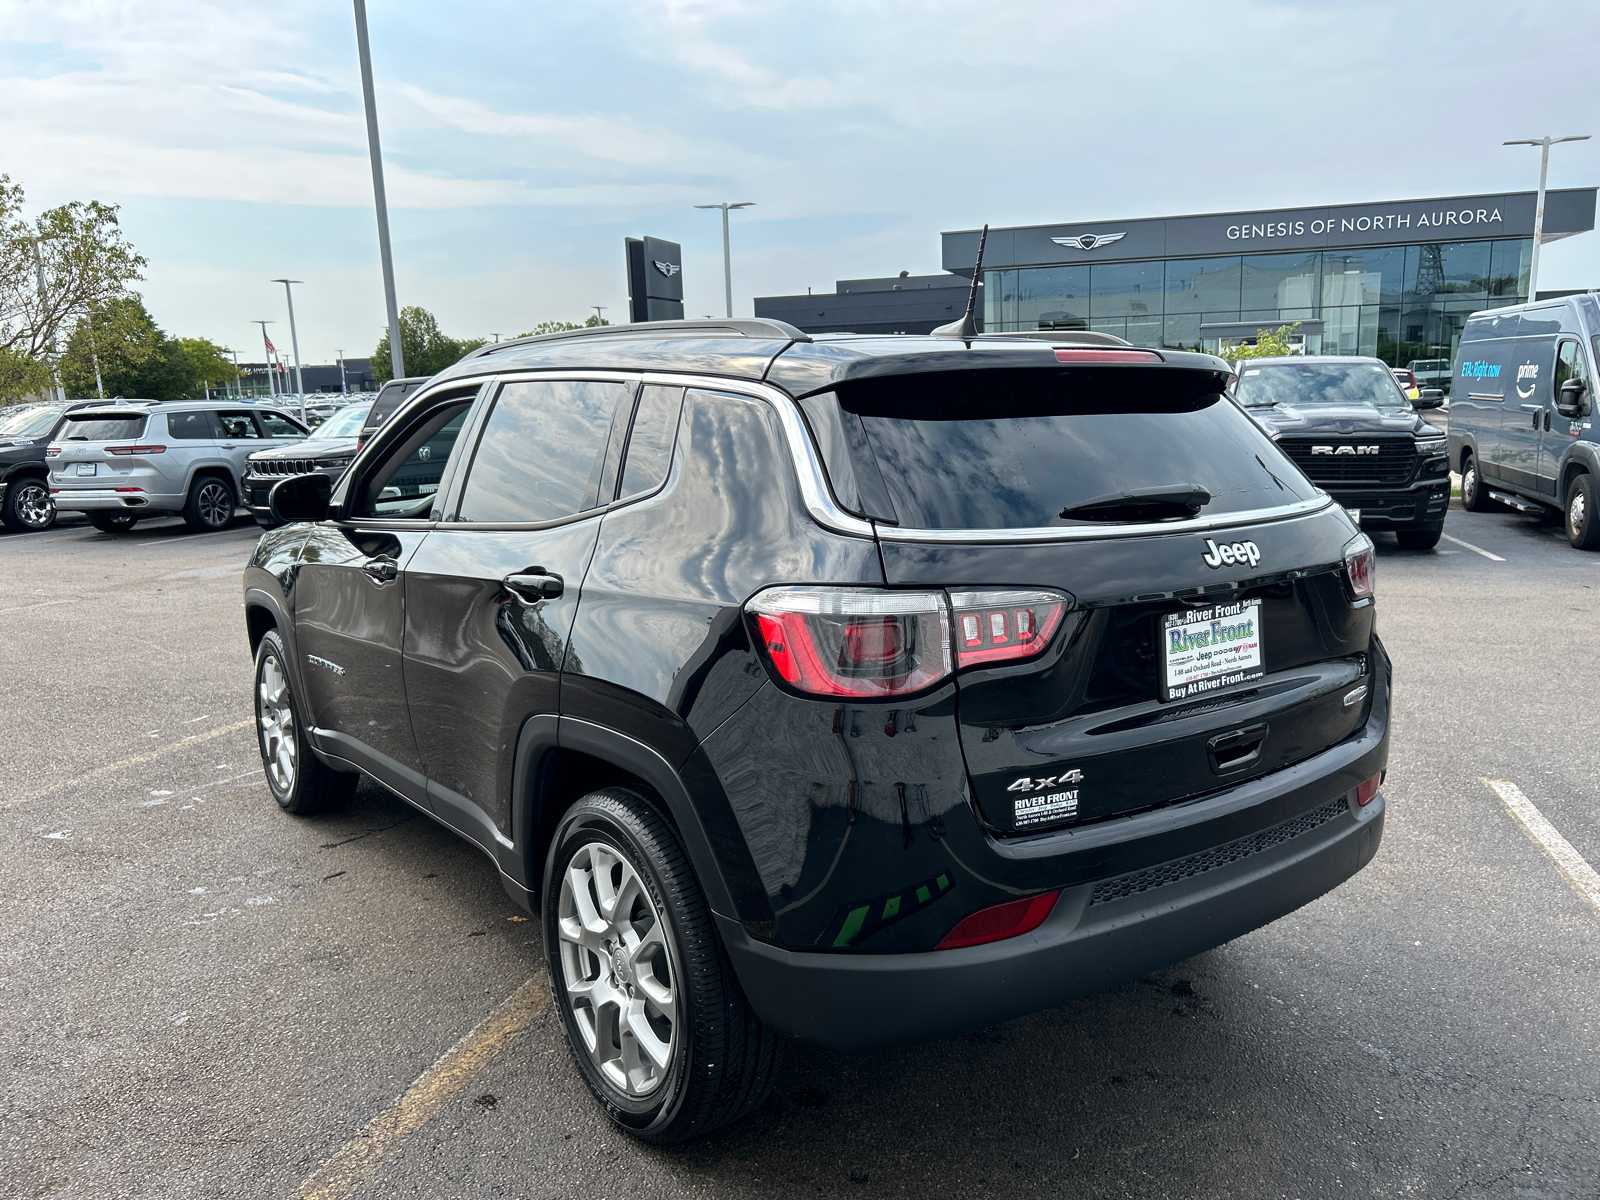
(1270, 343)
(207, 367)
(544, 327)
(136, 358)
(55, 269)
(426, 348)
(22, 376)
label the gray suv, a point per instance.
(118, 464)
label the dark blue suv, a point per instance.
(852, 689)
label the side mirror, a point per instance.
(1569, 400)
(1429, 398)
(301, 498)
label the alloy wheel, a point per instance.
(619, 971)
(215, 503)
(276, 717)
(32, 505)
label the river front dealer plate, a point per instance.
(1204, 650)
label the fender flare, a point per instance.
(1458, 452)
(732, 888)
(1584, 454)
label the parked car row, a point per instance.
(122, 461)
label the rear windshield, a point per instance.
(91, 428)
(388, 402)
(1050, 441)
(1318, 383)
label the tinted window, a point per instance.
(406, 484)
(388, 402)
(655, 432)
(1318, 383)
(274, 425)
(1050, 440)
(102, 429)
(541, 452)
(190, 426)
(237, 425)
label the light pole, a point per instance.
(94, 355)
(266, 345)
(380, 199)
(55, 372)
(1544, 144)
(599, 313)
(343, 390)
(238, 392)
(727, 266)
(294, 342)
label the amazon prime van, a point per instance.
(1522, 412)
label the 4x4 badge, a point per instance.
(1029, 784)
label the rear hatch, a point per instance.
(1211, 633)
(100, 450)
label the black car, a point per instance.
(1346, 423)
(853, 689)
(387, 402)
(329, 449)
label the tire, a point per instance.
(1474, 497)
(1583, 522)
(211, 504)
(709, 1059)
(300, 782)
(1418, 539)
(112, 522)
(28, 507)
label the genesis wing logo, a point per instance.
(666, 268)
(1089, 241)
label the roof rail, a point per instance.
(758, 327)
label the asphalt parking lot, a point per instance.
(204, 997)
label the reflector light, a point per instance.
(1016, 623)
(127, 489)
(1000, 921)
(1366, 791)
(51, 451)
(136, 449)
(1074, 355)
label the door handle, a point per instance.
(384, 570)
(533, 585)
(228, 445)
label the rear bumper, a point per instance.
(1100, 933)
(104, 499)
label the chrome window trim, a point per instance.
(823, 509)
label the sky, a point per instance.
(523, 141)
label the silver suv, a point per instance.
(118, 464)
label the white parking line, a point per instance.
(1470, 546)
(1583, 878)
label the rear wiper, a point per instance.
(1142, 504)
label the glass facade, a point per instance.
(1397, 303)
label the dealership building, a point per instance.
(1395, 279)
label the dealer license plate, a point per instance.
(87, 468)
(1207, 649)
(1355, 515)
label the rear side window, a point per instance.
(542, 451)
(388, 402)
(655, 432)
(1014, 449)
(192, 426)
(102, 429)
(237, 425)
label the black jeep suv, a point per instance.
(1350, 428)
(853, 689)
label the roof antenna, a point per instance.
(966, 328)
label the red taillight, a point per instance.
(127, 489)
(1000, 921)
(1360, 567)
(1107, 356)
(1366, 791)
(852, 641)
(1004, 624)
(51, 451)
(136, 449)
